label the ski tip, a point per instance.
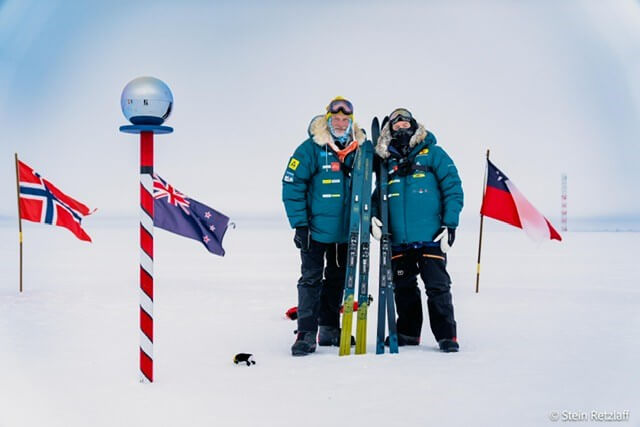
(384, 121)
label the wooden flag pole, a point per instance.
(19, 216)
(484, 189)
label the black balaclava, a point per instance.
(401, 138)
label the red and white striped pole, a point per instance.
(563, 211)
(146, 102)
(146, 257)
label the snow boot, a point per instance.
(404, 340)
(305, 344)
(330, 336)
(449, 345)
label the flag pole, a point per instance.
(484, 189)
(146, 256)
(146, 122)
(19, 215)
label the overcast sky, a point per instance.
(549, 87)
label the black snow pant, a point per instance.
(431, 264)
(319, 299)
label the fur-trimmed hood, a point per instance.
(382, 147)
(319, 131)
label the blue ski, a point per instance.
(385, 290)
(352, 254)
(365, 226)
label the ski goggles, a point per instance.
(400, 115)
(340, 105)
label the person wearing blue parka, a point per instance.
(425, 198)
(316, 195)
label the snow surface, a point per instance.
(554, 328)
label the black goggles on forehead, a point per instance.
(340, 105)
(400, 114)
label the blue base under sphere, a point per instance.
(146, 120)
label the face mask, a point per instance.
(401, 140)
(344, 138)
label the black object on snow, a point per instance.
(244, 358)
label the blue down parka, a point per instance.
(429, 197)
(316, 187)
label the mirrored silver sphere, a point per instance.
(146, 101)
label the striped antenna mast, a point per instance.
(563, 207)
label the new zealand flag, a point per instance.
(175, 212)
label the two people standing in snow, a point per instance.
(425, 200)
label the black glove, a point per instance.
(452, 235)
(405, 166)
(302, 238)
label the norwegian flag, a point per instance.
(41, 201)
(177, 213)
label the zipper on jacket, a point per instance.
(404, 211)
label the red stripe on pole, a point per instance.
(146, 365)
(146, 201)
(146, 149)
(146, 283)
(146, 242)
(146, 324)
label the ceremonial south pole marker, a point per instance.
(146, 102)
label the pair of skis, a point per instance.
(359, 223)
(386, 303)
(359, 226)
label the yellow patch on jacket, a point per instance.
(293, 164)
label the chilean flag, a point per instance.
(504, 202)
(41, 201)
